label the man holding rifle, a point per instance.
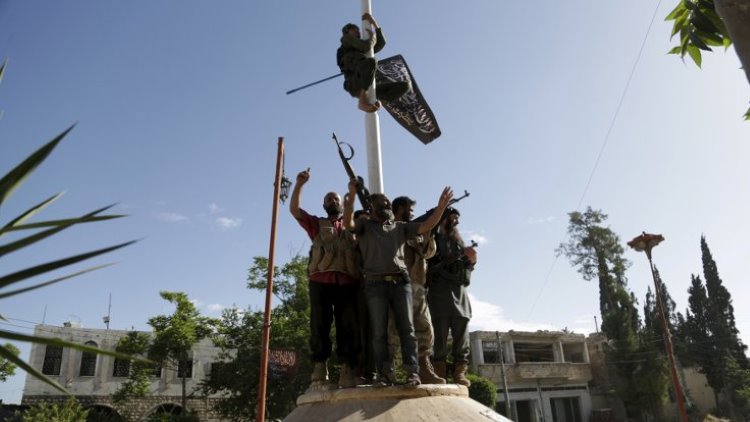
(387, 286)
(334, 271)
(449, 273)
(416, 253)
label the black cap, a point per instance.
(402, 201)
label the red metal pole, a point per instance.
(668, 344)
(269, 288)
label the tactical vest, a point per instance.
(333, 251)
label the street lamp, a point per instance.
(644, 243)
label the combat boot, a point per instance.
(427, 372)
(320, 372)
(440, 370)
(346, 377)
(459, 374)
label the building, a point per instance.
(92, 378)
(546, 372)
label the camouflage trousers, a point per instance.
(422, 324)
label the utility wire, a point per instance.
(603, 147)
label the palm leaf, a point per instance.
(53, 223)
(28, 240)
(28, 213)
(7, 354)
(53, 281)
(54, 341)
(50, 266)
(16, 176)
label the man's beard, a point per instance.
(385, 214)
(333, 210)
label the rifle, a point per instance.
(362, 193)
(448, 260)
(429, 212)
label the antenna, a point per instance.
(44, 315)
(109, 311)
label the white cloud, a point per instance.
(534, 220)
(487, 316)
(227, 223)
(171, 217)
(214, 209)
(215, 307)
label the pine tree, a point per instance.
(597, 253)
(712, 333)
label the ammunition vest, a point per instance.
(333, 251)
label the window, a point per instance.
(185, 369)
(490, 352)
(573, 352)
(88, 362)
(566, 409)
(52, 360)
(121, 368)
(533, 352)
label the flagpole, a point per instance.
(269, 288)
(372, 124)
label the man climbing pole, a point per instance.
(359, 70)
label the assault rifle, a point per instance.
(456, 256)
(429, 212)
(362, 193)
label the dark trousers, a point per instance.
(329, 302)
(382, 296)
(458, 327)
(361, 78)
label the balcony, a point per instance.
(530, 371)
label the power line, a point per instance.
(603, 147)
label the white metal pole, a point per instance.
(372, 125)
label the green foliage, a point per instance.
(40, 230)
(699, 28)
(138, 382)
(240, 340)
(8, 368)
(168, 417)
(175, 335)
(71, 411)
(738, 379)
(482, 390)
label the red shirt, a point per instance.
(311, 224)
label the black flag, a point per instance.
(411, 110)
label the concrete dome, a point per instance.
(429, 402)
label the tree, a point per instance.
(482, 390)
(713, 337)
(70, 411)
(175, 335)
(7, 367)
(138, 383)
(597, 253)
(705, 23)
(239, 337)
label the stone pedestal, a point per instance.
(429, 402)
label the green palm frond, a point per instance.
(36, 237)
(16, 176)
(44, 230)
(7, 354)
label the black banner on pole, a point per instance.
(411, 110)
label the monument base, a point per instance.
(428, 402)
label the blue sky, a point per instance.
(179, 105)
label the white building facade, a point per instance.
(93, 378)
(546, 373)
